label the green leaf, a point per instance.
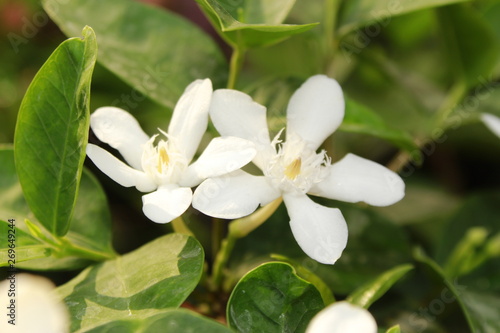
(358, 13)
(472, 45)
(365, 295)
(157, 276)
(272, 298)
(252, 23)
(169, 321)
(90, 227)
(52, 131)
(394, 329)
(360, 119)
(479, 308)
(158, 53)
(25, 247)
(306, 274)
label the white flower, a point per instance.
(342, 317)
(294, 168)
(492, 122)
(164, 169)
(33, 306)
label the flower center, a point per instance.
(295, 167)
(163, 159)
(163, 162)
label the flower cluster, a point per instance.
(292, 169)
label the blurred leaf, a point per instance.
(169, 321)
(272, 298)
(90, 227)
(52, 130)
(394, 329)
(479, 308)
(473, 47)
(365, 295)
(158, 53)
(247, 24)
(358, 13)
(306, 274)
(157, 276)
(360, 119)
(478, 211)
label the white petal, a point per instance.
(190, 118)
(120, 130)
(320, 231)
(316, 110)
(234, 195)
(222, 155)
(354, 179)
(119, 171)
(235, 114)
(342, 317)
(166, 203)
(37, 308)
(492, 122)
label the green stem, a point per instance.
(330, 23)
(238, 229)
(69, 249)
(180, 227)
(331, 14)
(235, 65)
(456, 94)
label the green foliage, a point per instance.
(360, 119)
(252, 23)
(478, 307)
(158, 276)
(359, 13)
(167, 321)
(394, 329)
(272, 298)
(368, 293)
(156, 52)
(472, 44)
(89, 235)
(52, 130)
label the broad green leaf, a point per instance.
(52, 131)
(473, 46)
(306, 274)
(394, 329)
(90, 228)
(158, 53)
(272, 298)
(252, 23)
(169, 321)
(365, 295)
(480, 308)
(358, 13)
(157, 276)
(360, 119)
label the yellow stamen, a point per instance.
(293, 169)
(163, 158)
